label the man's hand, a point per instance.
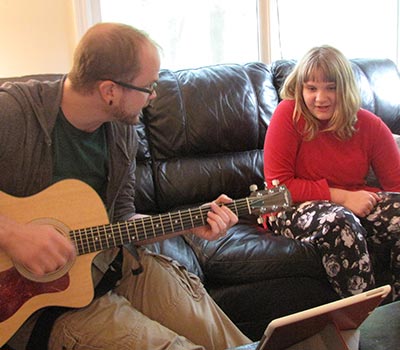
(39, 248)
(220, 218)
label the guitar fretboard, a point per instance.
(93, 239)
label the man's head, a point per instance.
(120, 64)
(107, 51)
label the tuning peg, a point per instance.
(253, 188)
(275, 182)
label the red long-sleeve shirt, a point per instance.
(310, 168)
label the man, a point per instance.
(82, 127)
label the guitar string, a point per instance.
(93, 238)
(100, 236)
(95, 244)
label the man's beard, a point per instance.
(123, 116)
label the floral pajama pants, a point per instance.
(343, 239)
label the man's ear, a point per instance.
(107, 91)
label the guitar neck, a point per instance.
(93, 239)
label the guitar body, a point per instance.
(75, 205)
(77, 212)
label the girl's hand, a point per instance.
(360, 203)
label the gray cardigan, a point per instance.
(28, 112)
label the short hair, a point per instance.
(107, 51)
(334, 67)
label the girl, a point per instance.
(321, 145)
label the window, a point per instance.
(359, 28)
(196, 33)
(192, 33)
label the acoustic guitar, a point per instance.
(77, 212)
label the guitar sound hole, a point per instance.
(55, 275)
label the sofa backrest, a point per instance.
(205, 130)
(204, 133)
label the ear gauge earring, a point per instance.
(110, 103)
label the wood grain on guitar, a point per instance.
(77, 211)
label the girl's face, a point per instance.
(320, 97)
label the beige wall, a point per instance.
(36, 36)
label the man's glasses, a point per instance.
(137, 88)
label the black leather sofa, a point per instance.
(204, 136)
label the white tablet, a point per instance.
(344, 314)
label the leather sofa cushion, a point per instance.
(248, 253)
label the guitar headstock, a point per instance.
(270, 200)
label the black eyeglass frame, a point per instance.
(133, 87)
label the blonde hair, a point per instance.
(107, 51)
(334, 67)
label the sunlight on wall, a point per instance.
(36, 36)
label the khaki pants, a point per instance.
(164, 307)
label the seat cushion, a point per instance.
(249, 253)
